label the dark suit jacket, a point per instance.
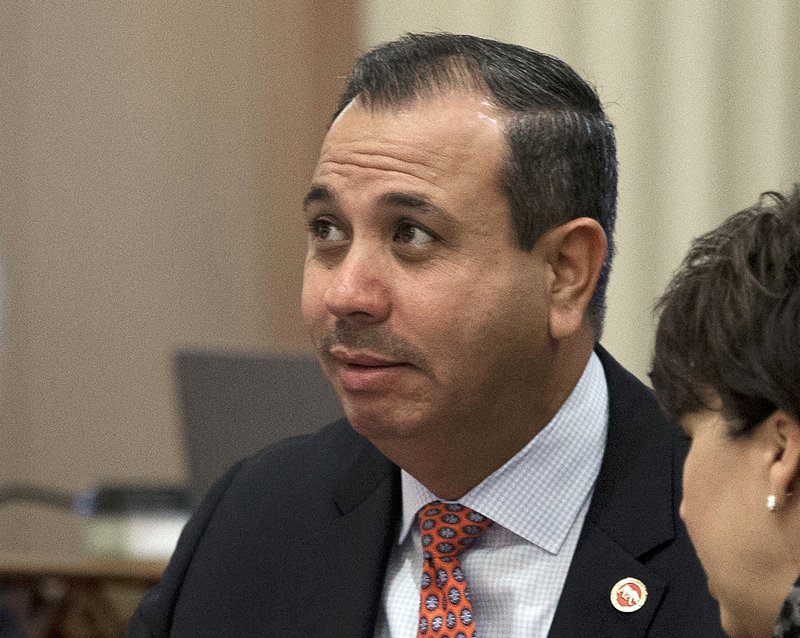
(294, 541)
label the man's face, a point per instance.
(428, 320)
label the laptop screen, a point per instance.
(234, 404)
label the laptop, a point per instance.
(232, 404)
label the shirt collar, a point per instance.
(538, 493)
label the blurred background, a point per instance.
(153, 156)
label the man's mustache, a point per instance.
(374, 339)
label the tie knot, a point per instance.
(448, 528)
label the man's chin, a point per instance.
(378, 426)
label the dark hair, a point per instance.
(730, 319)
(562, 155)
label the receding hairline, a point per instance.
(484, 99)
(385, 102)
(455, 73)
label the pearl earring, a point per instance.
(772, 503)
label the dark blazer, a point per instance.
(293, 542)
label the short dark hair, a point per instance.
(729, 329)
(562, 154)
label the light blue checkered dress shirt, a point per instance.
(538, 501)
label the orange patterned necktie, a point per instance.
(445, 609)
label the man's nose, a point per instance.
(359, 288)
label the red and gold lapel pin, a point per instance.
(628, 595)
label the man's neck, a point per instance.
(452, 459)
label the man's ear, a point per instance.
(784, 473)
(575, 252)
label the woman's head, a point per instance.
(727, 367)
(729, 319)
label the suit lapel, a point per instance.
(354, 549)
(585, 608)
(631, 513)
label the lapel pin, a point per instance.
(628, 595)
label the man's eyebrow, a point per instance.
(317, 193)
(399, 199)
(416, 202)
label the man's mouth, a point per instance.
(360, 371)
(362, 359)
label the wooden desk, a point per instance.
(74, 597)
(79, 568)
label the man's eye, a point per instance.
(408, 233)
(326, 230)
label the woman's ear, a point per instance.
(784, 473)
(576, 254)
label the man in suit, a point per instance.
(460, 227)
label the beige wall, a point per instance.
(153, 159)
